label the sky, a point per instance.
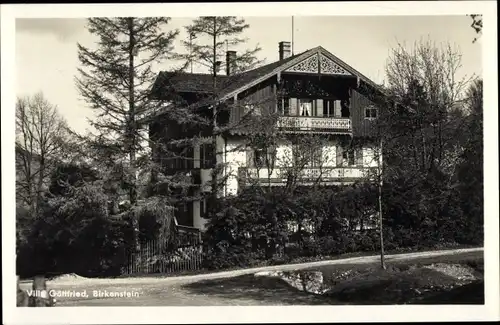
(47, 60)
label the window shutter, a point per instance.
(293, 107)
(318, 157)
(189, 217)
(359, 156)
(286, 106)
(339, 152)
(319, 107)
(337, 108)
(250, 158)
(271, 156)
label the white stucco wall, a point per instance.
(369, 156)
(198, 221)
(196, 156)
(330, 154)
(234, 158)
(284, 156)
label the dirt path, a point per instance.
(182, 290)
(286, 267)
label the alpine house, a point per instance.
(310, 95)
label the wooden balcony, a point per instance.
(310, 124)
(307, 176)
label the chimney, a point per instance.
(284, 50)
(217, 66)
(230, 62)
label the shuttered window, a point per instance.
(284, 106)
(349, 156)
(207, 156)
(293, 107)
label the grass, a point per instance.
(330, 272)
(361, 284)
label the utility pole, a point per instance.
(381, 227)
(214, 112)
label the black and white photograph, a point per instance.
(250, 155)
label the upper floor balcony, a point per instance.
(297, 124)
(307, 176)
(320, 115)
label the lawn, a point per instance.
(434, 280)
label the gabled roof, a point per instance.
(203, 82)
(228, 86)
(189, 82)
(280, 66)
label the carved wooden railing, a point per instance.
(311, 124)
(307, 175)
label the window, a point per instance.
(284, 106)
(371, 112)
(316, 157)
(305, 107)
(184, 214)
(207, 157)
(304, 155)
(205, 205)
(177, 158)
(264, 157)
(332, 108)
(349, 156)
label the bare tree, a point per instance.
(425, 85)
(41, 133)
(421, 118)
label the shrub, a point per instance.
(255, 224)
(75, 234)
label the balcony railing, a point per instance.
(321, 175)
(314, 124)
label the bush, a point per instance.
(75, 234)
(226, 256)
(254, 224)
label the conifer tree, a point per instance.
(210, 38)
(115, 81)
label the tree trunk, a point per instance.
(38, 187)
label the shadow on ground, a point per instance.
(269, 291)
(472, 293)
(368, 286)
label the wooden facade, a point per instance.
(310, 93)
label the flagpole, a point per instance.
(292, 35)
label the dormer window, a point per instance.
(371, 112)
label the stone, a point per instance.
(307, 281)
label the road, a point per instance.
(190, 290)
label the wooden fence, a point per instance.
(185, 255)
